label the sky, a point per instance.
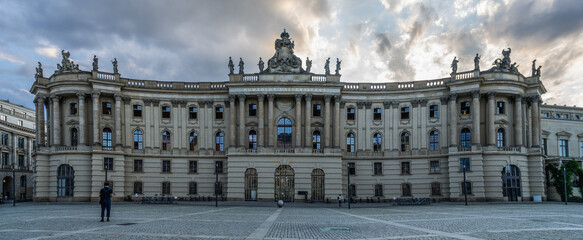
(377, 41)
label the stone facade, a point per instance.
(17, 140)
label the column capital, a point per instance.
(337, 98)
(535, 99)
(40, 99)
(232, 98)
(126, 100)
(209, 103)
(491, 95)
(95, 94)
(270, 97)
(476, 94)
(444, 99)
(367, 105)
(155, 102)
(117, 97)
(360, 105)
(423, 102)
(342, 104)
(327, 98)
(175, 102)
(80, 95)
(241, 97)
(395, 104)
(308, 97)
(387, 104)
(453, 97)
(298, 97)
(260, 97)
(55, 98)
(415, 103)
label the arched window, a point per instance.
(193, 141)
(252, 139)
(138, 136)
(434, 140)
(350, 142)
(316, 140)
(284, 133)
(405, 141)
(65, 181)
(500, 137)
(166, 143)
(74, 137)
(466, 138)
(376, 142)
(219, 138)
(107, 137)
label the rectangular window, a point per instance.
(435, 189)
(3, 117)
(350, 114)
(138, 165)
(352, 168)
(377, 112)
(21, 160)
(544, 146)
(404, 113)
(5, 158)
(465, 162)
(563, 148)
(580, 149)
(108, 164)
(316, 110)
(378, 190)
(468, 187)
(252, 110)
(72, 108)
(4, 139)
(106, 108)
(378, 168)
(406, 189)
(138, 188)
(192, 188)
(192, 112)
(166, 112)
(218, 167)
(434, 111)
(405, 168)
(20, 123)
(465, 108)
(166, 164)
(434, 167)
(20, 142)
(193, 167)
(353, 190)
(219, 189)
(137, 110)
(218, 113)
(165, 188)
(500, 107)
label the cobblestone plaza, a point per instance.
(299, 220)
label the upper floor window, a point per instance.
(5, 158)
(20, 123)
(138, 136)
(434, 167)
(557, 115)
(466, 138)
(20, 142)
(218, 113)
(316, 140)
(73, 108)
(404, 141)
(405, 168)
(378, 168)
(377, 114)
(74, 137)
(434, 140)
(252, 110)
(546, 115)
(20, 160)
(138, 165)
(500, 108)
(376, 142)
(350, 142)
(193, 166)
(563, 148)
(3, 117)
(193, 141)
(565, 116)
(284, 133)
(4, 139)
(316, 110)
(434, 111)
(137, 110)
(165, 111)
(166, 166)
(350, 112)
(219, 141)
(252, 139)
(501, 142)
(192, 112)
(107, 142)
(106, 108)
(544, 146)
(166, 143)
(351, 168)
(465, 108)
(404, 113)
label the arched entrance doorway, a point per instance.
(284, 183)
(318, 185)
(251, 184)
(511, 182)
(7, 187)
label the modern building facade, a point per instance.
(287, 133)
(17, 141)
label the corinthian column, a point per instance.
(96, 117)
(270, 125)
(298, 121)
(118, 120)
(476, 118)
(453, 119)
(232, 121)
(535, 122)
(327, 120)
(491, 115)
(242, 120)
(518, 120)
(82, 119)
(260, 121)
(337, 120)
(40, 121)
(57, 120)
(308, 123)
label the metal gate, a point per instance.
(284, 183)
(511, 182)
(251, 184)
(318, 185)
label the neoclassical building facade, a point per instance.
(287, 133)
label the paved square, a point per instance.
(306, 221)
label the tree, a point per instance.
(573, 170)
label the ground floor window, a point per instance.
(65, 181)
(378, 190)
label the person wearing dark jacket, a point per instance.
(105, 195)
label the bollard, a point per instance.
(280, 203)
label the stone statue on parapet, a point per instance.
(95, 63)
(327, 66)
(231, 66)
(538, 71)
(454, 65)
(477, 62)
(114, 62)
(284, 60)
(308, 64)
(514, 68)
(533, 68)
(66, 64)
(505, 65)
(241, 66)
(261, 65)
(39, 70)
(338, 62)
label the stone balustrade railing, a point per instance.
(174, 85)
(509, 149)
(66, 148)
(105, 76)
(318, 78)
(465, 75)
(251, 78)
(396, 86)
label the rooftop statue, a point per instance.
(327, 66)
(39, 70)
(504, 64)
(114, 62)
(66, 64)
(95, 63)
(338, 66)
(477, 62)
(261, 65)
(454, 65)
(308, 64)
(241, 66)
(506, 60)
(514, 68)
(231, 66)
(538, 71)
(284, 60)
(534, 67)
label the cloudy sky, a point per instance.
(377, 41)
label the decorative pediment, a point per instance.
(563, 134)
(501, 121)
(318, 124)
(73, 122)
(252, 124)
(580, 135)
(545, 133)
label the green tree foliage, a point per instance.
(573, 170)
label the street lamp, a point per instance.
(348, 187)
(465, 185)
(565, 183)
(13, 185)
(217, 184)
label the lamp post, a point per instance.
(565, 183)
(13, 185)
(348, 186)
(217, 184)
(506, 182)
(465, 185)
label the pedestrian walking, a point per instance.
(105, 195)
(339, 200)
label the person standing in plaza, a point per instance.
(105, 195)
(339, 200)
